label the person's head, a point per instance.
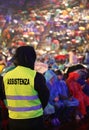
(59, 74)
(74, 51)
(73, 76)
(25, 56)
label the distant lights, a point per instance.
(15, 21)
(47, 48)
(50, 31)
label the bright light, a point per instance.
(15, 21)
(47, 48)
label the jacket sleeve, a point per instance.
(2, 94)
(41, 88)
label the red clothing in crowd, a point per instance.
(76, 90)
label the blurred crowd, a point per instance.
(60, 36)
(53, 30)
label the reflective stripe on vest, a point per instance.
(23, 98)
(24, 109)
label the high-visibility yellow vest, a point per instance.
(22, 99)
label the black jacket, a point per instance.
(41, 88)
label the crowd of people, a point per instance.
(50, 48)
(59, 29)
(69, 92)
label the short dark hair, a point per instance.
(58, 72)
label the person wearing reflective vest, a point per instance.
(26, 92)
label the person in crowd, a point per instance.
(75, 89)
(54, 101)
(73, 58)
(52, 64)
(63, 103)
(26, 92)
(86, 58)
(3, 109)
(50, 113)
(70, 103)
(51, 84)
(87, 79)
(82, 80)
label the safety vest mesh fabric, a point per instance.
(22, 99)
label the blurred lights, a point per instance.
(25, 35)
(15, 21)
(50, 31)
(47, 48)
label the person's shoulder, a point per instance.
(39, 79)
(7, 73)
(7, 69)
(39, 75)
